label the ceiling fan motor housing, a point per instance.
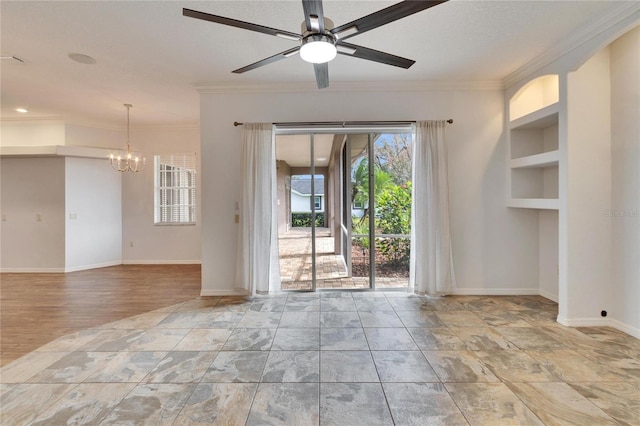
(316, 47)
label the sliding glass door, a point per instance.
(380, 180)
(344, 215)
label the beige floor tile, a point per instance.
(491, 404)
(560, 404)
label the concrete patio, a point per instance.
(331, 271)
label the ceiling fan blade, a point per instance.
(356, 51)
(313, 15)
(240, 24)
(382, 17)
(322, 74)
(266, 61)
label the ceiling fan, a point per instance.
(320, 41)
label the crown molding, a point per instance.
(135, 127)
(369, 86)
(169, 126)
(33, 120)
(97, 125)
(623, 11)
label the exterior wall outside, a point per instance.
(301, 203)
(284, 196)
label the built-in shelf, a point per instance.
(544, 117)
(545, 159)
(534, 203)
(534, 159)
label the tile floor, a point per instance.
(333, 358)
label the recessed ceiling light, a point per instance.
(321, 159)
(22, 110)
(82, 58)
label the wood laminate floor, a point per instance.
(38, 308)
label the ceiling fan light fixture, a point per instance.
(318, 49)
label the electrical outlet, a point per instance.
(38, 217)
(73, 216)
(130, 243)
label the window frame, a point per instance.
(175, 190)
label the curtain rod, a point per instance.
(342, 123)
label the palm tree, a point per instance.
(360, 184)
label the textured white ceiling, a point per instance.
(149, 55)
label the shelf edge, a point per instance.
(544, 159)
(534, 203)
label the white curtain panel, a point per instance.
(257, 271)
(431, 270)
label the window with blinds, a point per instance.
(175, 189)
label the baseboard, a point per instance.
(625, 328)
(547, 295)
(495, 292)
(32, 270)
(224, 292)
(94, 266)
(600, 322)
(97, 265)
(162, 262)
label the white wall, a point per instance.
(548, 253)
(588, 191)
(96, 137)
(488, 255)
(32, 133)
(625, 181)
(142, 241)
(31, 187)
(93, 214)
(124, 216)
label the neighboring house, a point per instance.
(301, 195)
(357, 209)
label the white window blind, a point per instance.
(175, 189)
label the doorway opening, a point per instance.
(344, 208)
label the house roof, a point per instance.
(303, 186)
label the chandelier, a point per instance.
(128, 163)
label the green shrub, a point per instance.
(303, 220)
(362, 228)
(393, 211)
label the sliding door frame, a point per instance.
(335, 128)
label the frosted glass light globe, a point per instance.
(318, 51)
